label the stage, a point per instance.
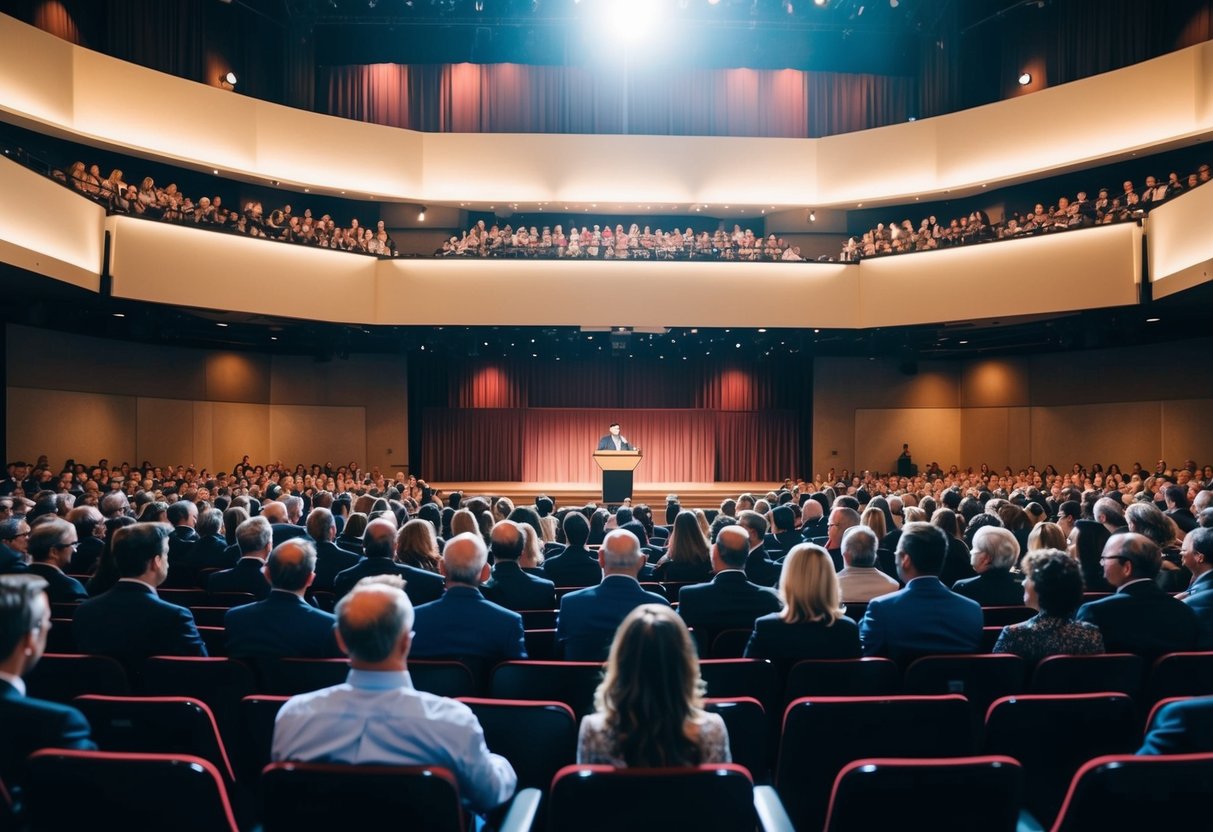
(690, 494)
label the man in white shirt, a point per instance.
(860, 580)
(378, 717)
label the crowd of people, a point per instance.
(1081, 212)
(422, 574)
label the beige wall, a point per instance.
(1112, 405)
(86, 398)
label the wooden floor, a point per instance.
(690, 494)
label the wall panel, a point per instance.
(933, 433)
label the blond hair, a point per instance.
(809, 586)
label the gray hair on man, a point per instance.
(373, 617)
(620, 552)
(464, 559)
(998, 544)
(859, 545)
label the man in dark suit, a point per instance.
(330, 558)
(90, 531)
(14, 544)
(613, 441)
(283, 625)
(248, 575)
(588, 618)
(1139, 617)
(759, 568)
(130, 622)
(379, 541)
(283, 530)
(210, 551)
(1197, 556)
(183, 515)
(509, 586)
(51, 544)
(995, 550)
(462, 624)
(576, 565)
(841, 519)
(1177, 507)
(29, 724)
(1184, 727)
(729, 601)
(813, 523)
(925, 617)
(784, 536)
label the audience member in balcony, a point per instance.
(51, 544)
(1139, 617)
(860, 579)
(994, 553)
(283, 625)
(1154, 192)
(377, 717)
(687, 557)
(130, 622)
(925, 617)
(1053, 587)
(812, 624)
(510, 585)
(29, 724)
(649, 707)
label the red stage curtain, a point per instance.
(476, 445)
(756, 446)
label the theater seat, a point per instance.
(572, 683)
(871, 676)
(1120, 672)
(132, 792)
(252, 750)
(1129, 792)
(538, 738)
(1181, 674)
(958, 794)
(979, 678)
(746, 723)
(721, 798)
(729, 644)
(64, 676)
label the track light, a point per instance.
(421, 214)
(228, 80)
(1025, 78)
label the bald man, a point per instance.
(588, 618)
(284, 625)
(377, 717)
(462, 623)
(379, 558)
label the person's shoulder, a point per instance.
(771, 619)
(303, 705)
(844, 623)
(654, 598)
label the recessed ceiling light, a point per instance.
(119, 315)
(1153, 320)
(962, 342)
(221, 324)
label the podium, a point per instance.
(617, 468)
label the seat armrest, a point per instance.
(523, 809)
(772, 817)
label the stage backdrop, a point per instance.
(536, 421)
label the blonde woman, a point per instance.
(1046, 536)
(463, 521)
(873, 518)
(649, 707)
(812, 624)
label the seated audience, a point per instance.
(331, 559)
(687, 557)
(1087, 541)
(510, 586)
(1053, 587)
(51, 544)
(860, 580)
(575, 565)
(14, 545)
(377, 717)
(649, 707)
(210, 549)
(994, 552)
(1197, 556)
(812, 624)
(759, 567)
(417, 545)
(1184, 727)
(248, 575)
(284, 625)
(379, 543)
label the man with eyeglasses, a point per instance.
(1139, 617)
(51, 546)
(14, 544)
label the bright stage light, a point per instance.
(631, 21)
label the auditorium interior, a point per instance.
(820, 230)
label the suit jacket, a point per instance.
(774, 638)
(923, 618)
(421, 586)
(1141, 618)
(86, 556)
(1200, 599)
(728, 602)
(607, 443)
(330, 560)
(245, 576)
(815, 528)
(281, 626)
(782, 542)
(462, 624)
(11, 560)
(514, 589)
(1182, 728)
(760, 569)
(350, 544)
(588, 618)
(957, 564)
(131, 622)
(573, 567)
(992, 588)
(180, 542)
(1183, 518)
(211, 552)
(61, 589)
(287, 531)
(31, 724)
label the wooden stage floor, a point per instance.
(690, 494)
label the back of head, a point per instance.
(135, 547)
(1148, 520)
(373, 617)
(23, 605)
(527, 515)
(576, 529)
(753, 522)
(809, 585)
(506, 541)
(274, 511)
(355, 526)
(379, 539)
(637, 529)
(621, 553)
(1142, 552)
(783, 518)
(291, 563)
(210, 522)
(320, 524)
(1057, 579)
(925, 545)
(733, 546)
(464, 558)
(651, 688)
(1108, 511)
(1046, 536)
(179, 512)
(859, 544)
(999, 545)
(46, 535)
(254, 535)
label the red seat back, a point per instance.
(538, 738)
(1130, 792)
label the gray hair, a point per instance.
(254, 534)
(621, 551)
(46, 535)
(371, 638)
(859, 545)
(210, 522)
(999, 545)
(286, 571)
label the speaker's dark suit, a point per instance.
(1200, 599)
(131, 622)
(463, 624)
(774, 638)
(514, 589)
(607, 443)
(923, 618)
(760, 569)
(1141, 618)
(992, 588)
(31, 724)
(728, 602)
(281, 626)
(330, 560)
(61, 589)
(421, 586)
(245, 576)
(1182, 728)
(588, 618)
(573, 567)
